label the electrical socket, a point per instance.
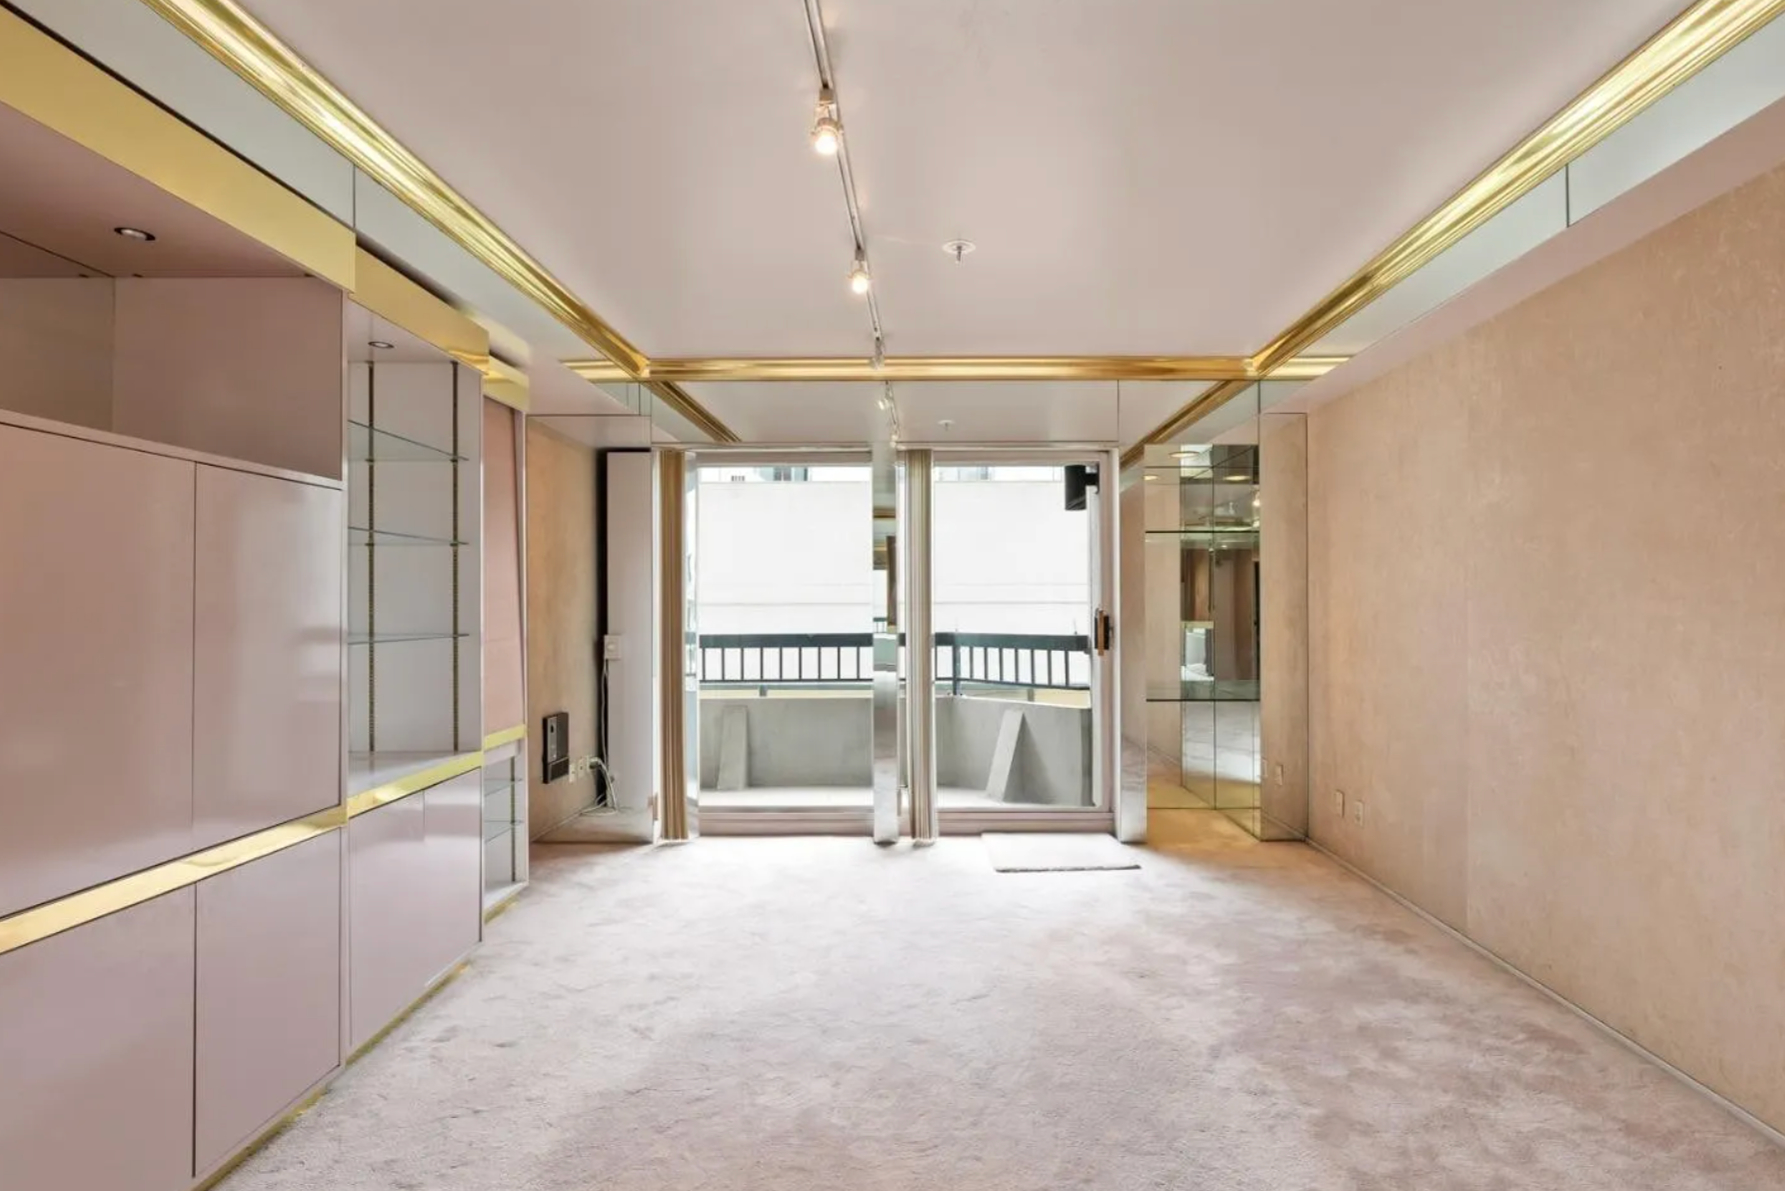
(1339, 804)
(1357, 811)
(610, 647)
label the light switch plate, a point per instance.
(1357, 811)
(1339, 804)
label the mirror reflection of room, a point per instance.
(1203, 683)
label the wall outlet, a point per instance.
(1357, 811)
(610, 647)
(1339, 804)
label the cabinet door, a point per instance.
(96, 1054)
(96, 687)
(391, 948)
(455, 865)
(269, 990)
(267, 686)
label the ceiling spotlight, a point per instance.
(858, 277)
(827, 134)
(135, 233)
(380, 344)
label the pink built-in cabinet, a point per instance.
(96, 553)
(96, 1033)
(267, 684)
(415, 897)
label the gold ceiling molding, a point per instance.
(956, 368)
(251, 50)
(677, 398)
(1690, 42)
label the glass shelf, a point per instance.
(1227, 690)
(359, 535)
(369, 444)
(1207, 531)
(496, 785)
(385, 638)
(497, 829)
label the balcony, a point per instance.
(786, 720)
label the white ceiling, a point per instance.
(1153, 176)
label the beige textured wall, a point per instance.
(1283, 617)
(560, 613)
(1547, 595)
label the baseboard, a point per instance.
(1628, 1043)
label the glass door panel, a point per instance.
(787, 605)
(1014, 619)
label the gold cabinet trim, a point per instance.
(496, 740)
(78, 909)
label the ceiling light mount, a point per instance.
(827, 131)
(135, 233)
(959, 249)
(382, 345)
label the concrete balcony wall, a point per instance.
(824, 742)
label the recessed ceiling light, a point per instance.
(380, 344)
(1238, 478)
(1152, 477)
(135, 233)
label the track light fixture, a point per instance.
(859, 281)
(827, 134)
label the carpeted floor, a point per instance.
(822, 1015)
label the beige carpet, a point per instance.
(822, 1015)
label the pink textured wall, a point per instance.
(1547, 586)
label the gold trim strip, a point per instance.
(507, 384)
(243, 44)
(500, 908)
(952, 368)
(59, 89)
(496, 740)
(411, 783)
(427, 995)
(390, 295)
(1207, 401)
(30, 926)
(1690, 42)
(677, 399)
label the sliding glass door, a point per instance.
(814, 579)
(1021, 641)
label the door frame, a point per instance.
(1105, 593)
(773, 820)
(1107, 788)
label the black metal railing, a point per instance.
(1041, 661)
